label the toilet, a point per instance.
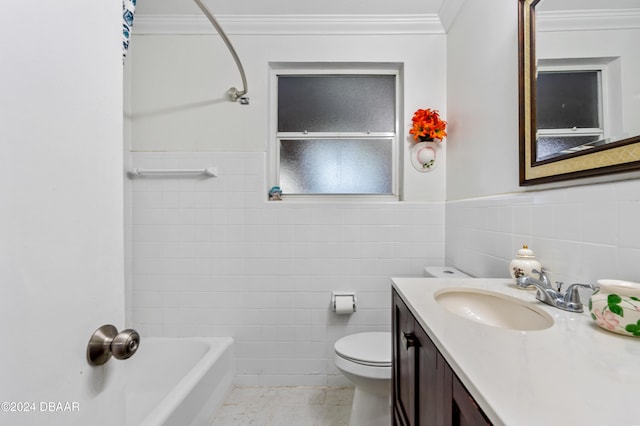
(443, 272)
(365, 359)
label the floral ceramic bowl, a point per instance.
(615, 306)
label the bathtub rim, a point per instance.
(167, 406)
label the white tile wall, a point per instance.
(212, 257)
(580, 234)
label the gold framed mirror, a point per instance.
(613, 134)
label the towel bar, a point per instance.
(209, 171)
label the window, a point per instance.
(570, 109)
(336, 131)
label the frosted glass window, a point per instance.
(568, 99)
(331, 103)
(334, 166)
(568, 112)
(548, 147)
(335, 130)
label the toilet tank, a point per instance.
(443, 272)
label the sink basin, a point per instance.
(494, 309)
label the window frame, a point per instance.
(278, 69)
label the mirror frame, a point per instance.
(615, 157)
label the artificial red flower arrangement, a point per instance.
(427, 125)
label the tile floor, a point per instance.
(284, 406)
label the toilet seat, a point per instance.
(365, 360)
(371, 349)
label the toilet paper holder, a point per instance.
(337, 295)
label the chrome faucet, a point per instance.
(569, 301)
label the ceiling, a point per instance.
(346, 7)
(549, 5)
(291, 7)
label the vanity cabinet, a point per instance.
(425, 389)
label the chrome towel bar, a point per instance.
(209, 172)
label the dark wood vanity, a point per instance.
(425, 391)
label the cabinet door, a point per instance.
(464, 410)
(404, 364)
(430, 398)
(425, 389)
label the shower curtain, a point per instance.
(128, 11)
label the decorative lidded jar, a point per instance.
(524, 263)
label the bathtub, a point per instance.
(177, 381)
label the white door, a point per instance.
(61, 214)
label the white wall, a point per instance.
(482, 100)
(180, 82)
(213, 257)
(61, 223)
(580, 233)
(128, 190)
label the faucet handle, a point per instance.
(572, 294)
(571, 300)
(542, 276)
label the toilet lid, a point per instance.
(366, 348)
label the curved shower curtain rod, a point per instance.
(234, 93)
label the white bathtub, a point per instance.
(178, 381)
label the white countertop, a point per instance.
(574, 373)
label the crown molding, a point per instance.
(611, 19)
(448, 12)
(290, 24)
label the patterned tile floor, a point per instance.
(284, 406)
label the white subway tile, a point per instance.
(627, 265)
(599, 224)
(543, 220)
(226, 262)
(523, 220)
(594, 264)
(568, 221)
(628, 228)
(298, 350)
(143, 250)
(148, 200)
(627, 191)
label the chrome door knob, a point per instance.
(107, 342)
